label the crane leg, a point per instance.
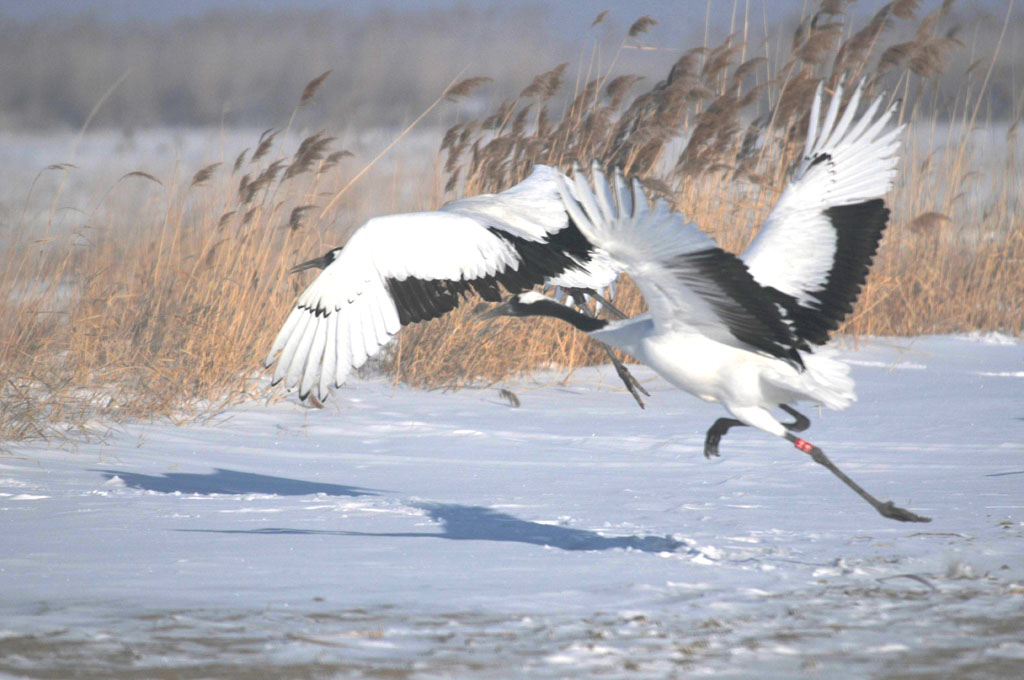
(715, 433)
(604, 301)
(631, 383)
(887, 509)
(800, 421)
(722, 425)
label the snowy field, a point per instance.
(408, 534)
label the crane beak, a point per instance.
(317, 263)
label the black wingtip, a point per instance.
(859, 228)
(820, 158)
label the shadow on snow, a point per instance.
(474, 523)
(230, 482)
(459, 522)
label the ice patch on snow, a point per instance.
(891, 648)
(990, 338)
(251, 510)
(891, 365)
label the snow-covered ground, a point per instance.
(400, 533)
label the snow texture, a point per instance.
(400, 533)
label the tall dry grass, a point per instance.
(165, 308)
(158, 309)
(718, 137)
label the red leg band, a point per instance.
(804, 446)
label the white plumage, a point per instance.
(795, 249)
(713, 329)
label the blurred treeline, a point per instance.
(246, 67)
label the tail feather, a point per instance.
(826, 380)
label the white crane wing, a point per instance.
(533, 210)
(400, 269)
(818, 241)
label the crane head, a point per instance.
(317, 262)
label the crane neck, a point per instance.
(557, 310)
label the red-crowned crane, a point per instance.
(740, 331)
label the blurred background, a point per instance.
(200, 63)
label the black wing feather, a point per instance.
(422, 299)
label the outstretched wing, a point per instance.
(817, 244)
(689, 283)
(533, 210)
(405, 268)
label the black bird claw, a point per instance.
(900, 514)
(631, 383)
